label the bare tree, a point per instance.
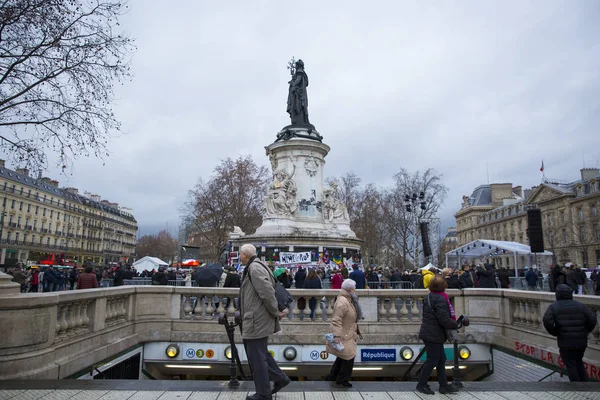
(367, 222)
(161, 245)
(403, 236)
(59, 61)
(584, 233)
(233, 196)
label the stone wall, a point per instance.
(55, 335)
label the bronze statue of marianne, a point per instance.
(297, 104)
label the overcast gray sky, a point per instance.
(452, 85)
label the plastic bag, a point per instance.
(338, 346)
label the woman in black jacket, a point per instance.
(438, 315)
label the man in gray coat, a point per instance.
(260, 319)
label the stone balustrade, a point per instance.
(55, 335)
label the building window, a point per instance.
(594, 210)
(47, 241)
(44, 212)
(51, 213)
(580, 213)
(565, 236)
(12, 204)
(58, 215)
(35, 224)
(21, 192)
(37, 208)
(21, 206)
(28, 207)
(29, 193)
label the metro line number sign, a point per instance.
(193, 354)
(591, 370)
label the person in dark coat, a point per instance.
(373, 280)
(299, 278)
(438, 315)
(232, 279)
(129, 273)
(285, 279)
(595, 278)
(312, 282)
(72, 278)
(160, 278)
(531, 278)
(49, 280)
(573, 279)
(467, 278)
(119, 276)
(486, 277)
(503, 278)
(571, 322)
(358, 276)
(451, 278)
(557, 277)
(172, 275)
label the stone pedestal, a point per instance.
(299, 209)
(7, 286)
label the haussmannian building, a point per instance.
(39, 220)
(570, 219)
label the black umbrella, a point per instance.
(209, 275)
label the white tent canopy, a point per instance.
(482, 248)
(148, 264)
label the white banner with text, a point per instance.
(294, 258)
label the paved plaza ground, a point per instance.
(215, 390)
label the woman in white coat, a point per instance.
(344, 325)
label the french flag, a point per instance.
(542, 167)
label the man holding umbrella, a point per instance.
(260, 319)
(208, 275)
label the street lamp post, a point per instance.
(2, 225)
(410, 203)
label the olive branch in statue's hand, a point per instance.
(292, 66)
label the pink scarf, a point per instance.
(444, 295)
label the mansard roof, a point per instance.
(43, 186)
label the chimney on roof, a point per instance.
(23, 171)
(518, 191)
(46, 180)
(72, 190)
(529, 193)
(589, 173)
(54, 183)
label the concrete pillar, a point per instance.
(291, 248)
(3, 256)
